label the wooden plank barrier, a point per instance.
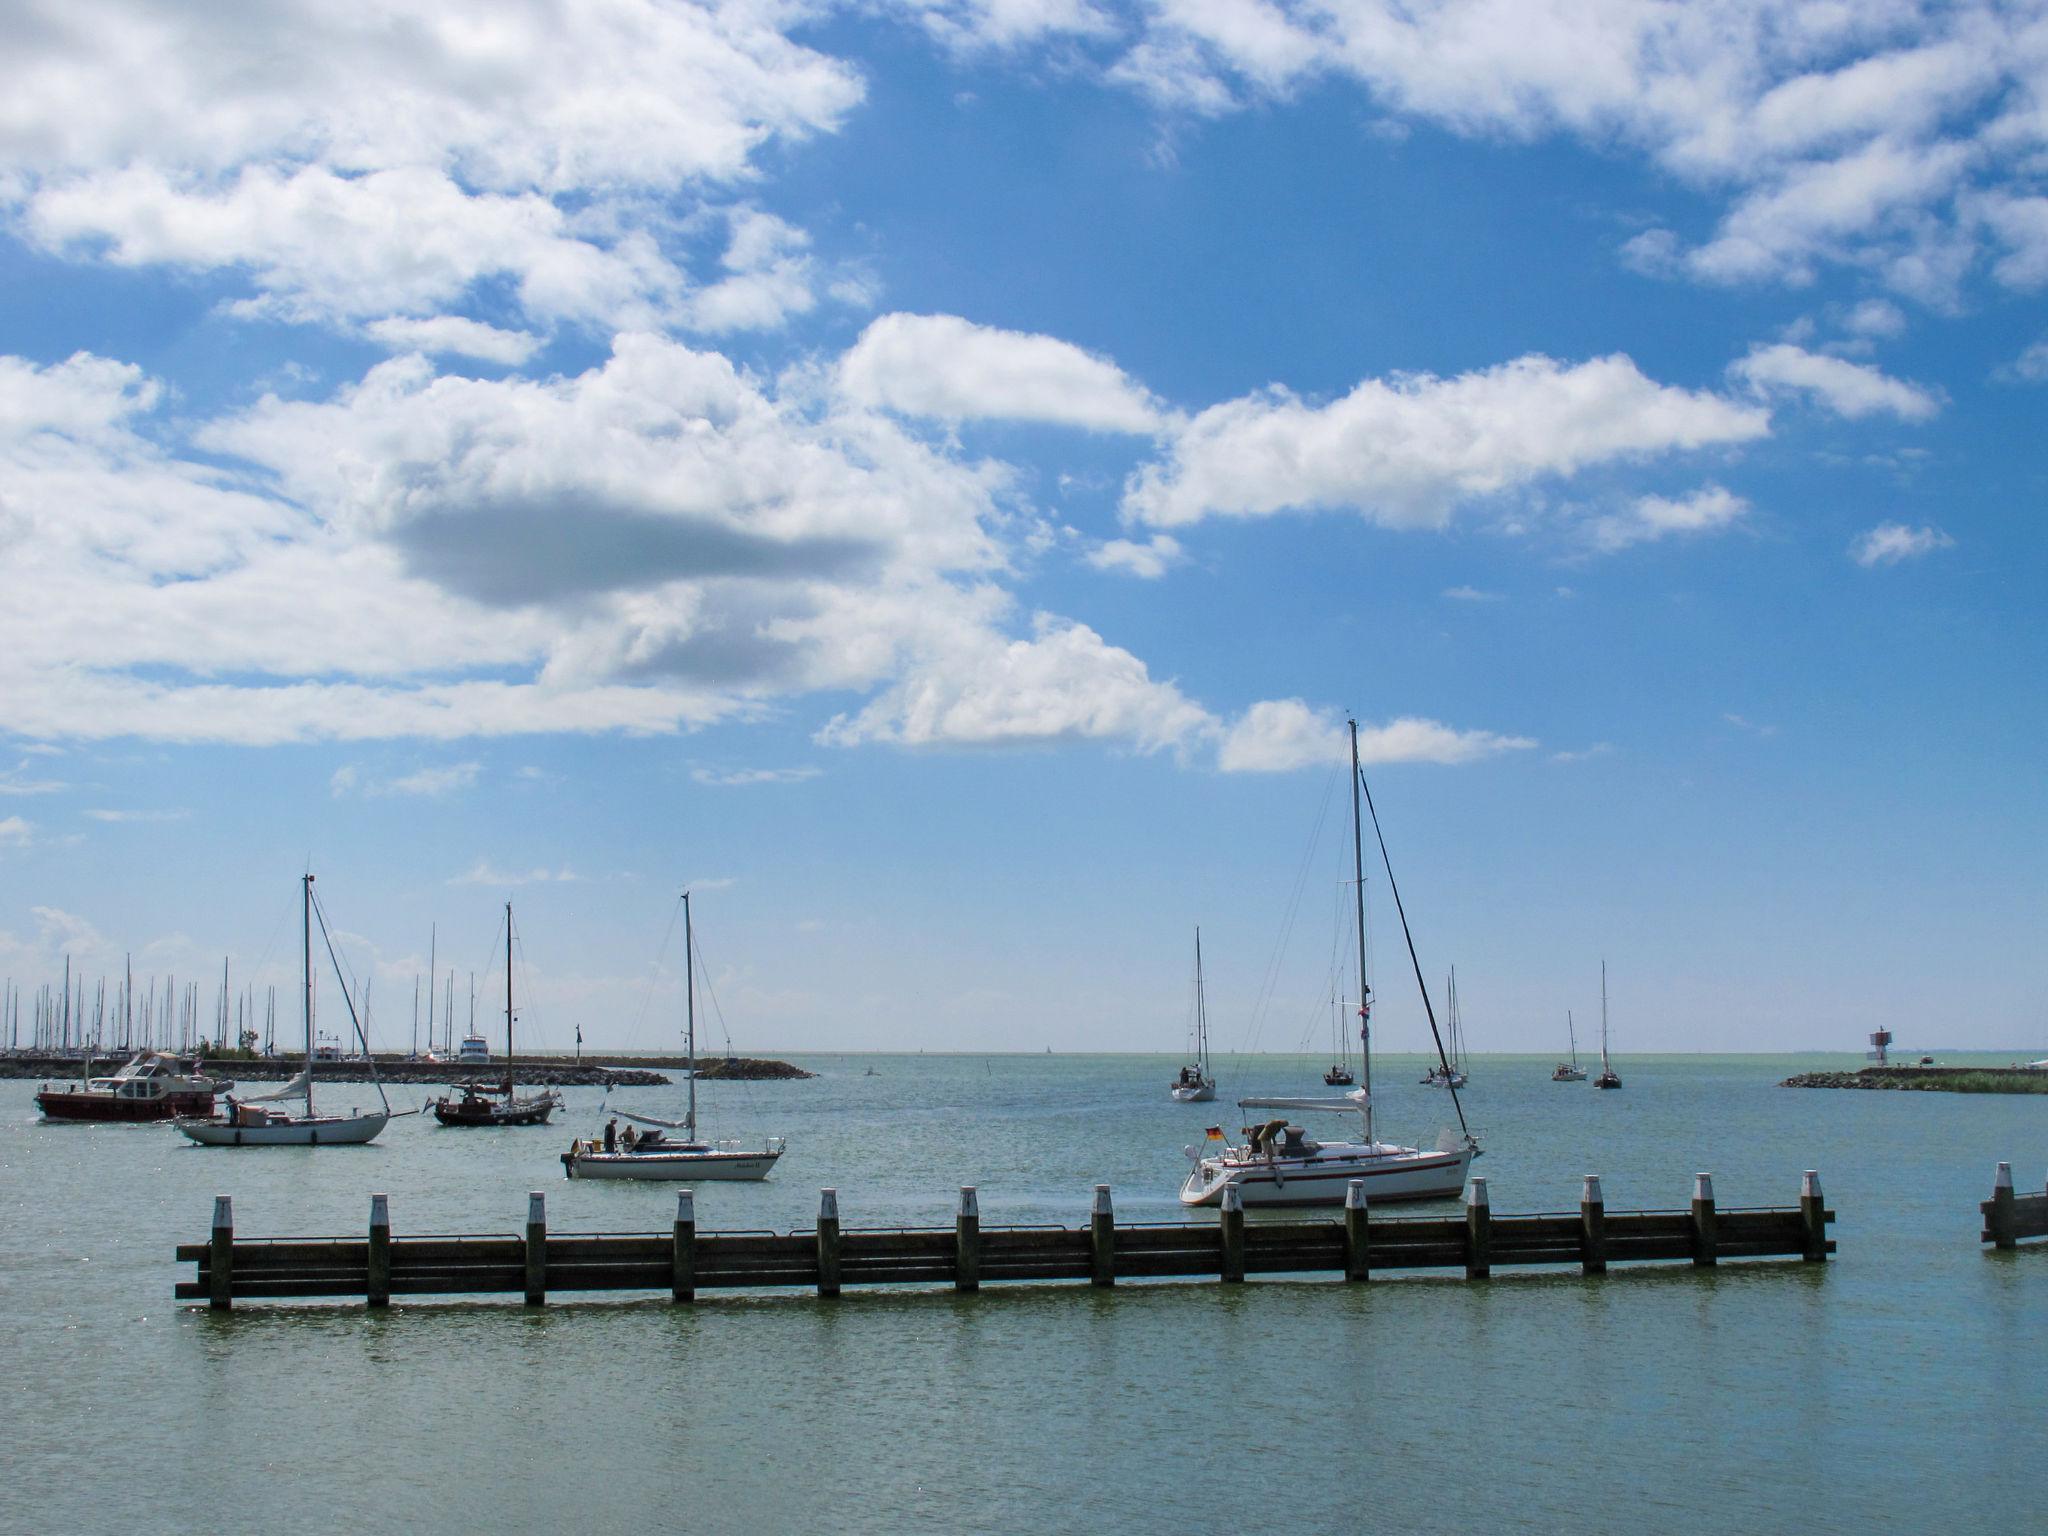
(2007, 1217)
(1356, 1244)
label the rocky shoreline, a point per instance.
(1929, 1079)
(548, 1072)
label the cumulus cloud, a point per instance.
(1063, 682)
(1649, 518)
(1832, 134)
(1853, 390)
(1147, 560)
(1404, 452)
(358, 161)
(1890, 543)
(1280, 735)
(950, 369)
(452, 334)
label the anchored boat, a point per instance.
(252, 1123)
(1607, 1077)
(650, 1154)
(1570, 1071)
(1279, 1163)
(154, 1085)
(478, 1105)
(1196, 1084)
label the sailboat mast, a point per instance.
(1603, 1016)
(508, 992)
(690, 1015)
(1358, 897)
(306, 921)
(433, 976)
(1572, 1035)
(1201, 1013)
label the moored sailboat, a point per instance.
(1451, 1072)
(1569, 1071)
(1196, 1083)
(650, 1154)
(479, 1105)
(1608, 1077)
(251, 1123)
(1278, 1163)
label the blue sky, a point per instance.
(935, 476)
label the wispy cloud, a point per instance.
(1649, 518)
(732, 777)
(349, 780)
(1755, 728)
(16, 833)
(1889, 543)
(485, 873)
(1280, 735)
(13, 783)
(1584, 754)
(117, 816)
(1471, 595)
(1147, 561)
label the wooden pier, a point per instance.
(2009, 1217)
(967, 1255)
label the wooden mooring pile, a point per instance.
(827, 1259)
(2009, 1217)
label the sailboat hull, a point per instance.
(1201, 1095)
(1399, 1174)
(679, 1167)
(318, 1131)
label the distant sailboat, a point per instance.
(1339, 1075)
(1452, 1073)
(1196, 1084)
(500, 1105)
(1607, 1077)
(1571, 1071)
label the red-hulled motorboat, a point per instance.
(152, 1086)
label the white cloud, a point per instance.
(430, 783)
(380, 159)
(1065, 682)
(1404, 452)
(1583, 754)
(450, 334)
(740, 777)
(1853, 390)
(1469, 594)
(13, 782)
(16, 833)
(1890, 543)
(1280, 735)
(1148, 561)
(1742, 723)
(484, 873)
(116, 816)
(950, 369)
(2031, 366)
(1708, 510)
(1876, 319)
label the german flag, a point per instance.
(1215, 1133)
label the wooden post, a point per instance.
(1592, 1228)
(536, 1248)
(1813, 1219)
(682, 1255)
(2004, 1227)
(1706, 1228)
(967, 1241)
(1478, 1231)
(220, 1258)
(1102, 1240)
(1357, 1233)
(1233, 1234)
(378, 1291)
(828, 1242)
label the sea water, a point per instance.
(1898, 1387)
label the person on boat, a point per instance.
(631, 1138)
(611, 1135)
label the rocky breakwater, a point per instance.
(1929, 1079)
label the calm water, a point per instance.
(1896, 1388)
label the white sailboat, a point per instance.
(249, 1123)
(650, 1154)
(1278, 1163)
(1569, 1071)
(1607, 1077)
(1196, 1084)
(1451, 1073)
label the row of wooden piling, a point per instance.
(2009, 1217)
(683, 1261)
